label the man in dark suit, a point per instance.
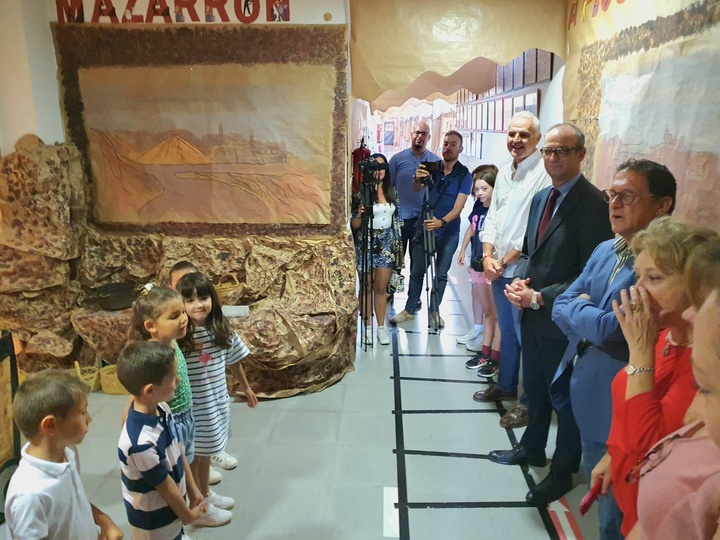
(566, 223)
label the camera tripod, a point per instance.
(368, 196)
(430, 260)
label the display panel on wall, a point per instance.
(203, 130)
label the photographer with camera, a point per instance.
(445, 193)
(378, 245)
(403, 166)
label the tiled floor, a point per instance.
(401, 428)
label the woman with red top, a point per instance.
(652, 394)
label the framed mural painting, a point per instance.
(208, 130)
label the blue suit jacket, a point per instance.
(594, 321)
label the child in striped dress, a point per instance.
(211, 347)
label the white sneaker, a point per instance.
(225, 460)
(225, 503)
(215, 476)
(383, 336)
(214, 517)
(472, 334)
(475, 344)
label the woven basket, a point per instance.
(226, 284)
(89, 375)
(109, 381)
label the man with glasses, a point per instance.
(447, 196)
(641, 191)
(515, 186)
(403, 167)
(566, 223)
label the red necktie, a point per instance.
(547, 214)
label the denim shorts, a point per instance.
(185, 431)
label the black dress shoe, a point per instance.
(554, 486)
(493, 393)
(519, 455)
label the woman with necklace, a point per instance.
(653, 393)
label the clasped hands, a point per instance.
(492, 269)
(519, 293)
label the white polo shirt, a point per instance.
(48, 500)
(507, 216)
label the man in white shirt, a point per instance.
(503, 235)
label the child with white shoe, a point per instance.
(211, 347)
(485, 340)
(223, 459)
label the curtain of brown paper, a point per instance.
(393, 42)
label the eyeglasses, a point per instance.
(421, 133)
(625, 197)
(658, 454)
(560, 151)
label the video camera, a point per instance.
(433, 168)
(368, 168)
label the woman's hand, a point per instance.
(461, 258)
(639, 323)
(602, 473)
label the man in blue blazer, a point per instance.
(641, 191)
(566, 223)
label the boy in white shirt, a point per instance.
(46, 498)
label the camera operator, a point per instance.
(402, 171)
(383, 244)
(447, 190)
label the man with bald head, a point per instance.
(566, 223)
(516, 184)
(403, 166)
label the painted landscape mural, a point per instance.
(210, 144)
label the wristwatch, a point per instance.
(632, 370)
(443, 222)
(503, 263)
(533, 301)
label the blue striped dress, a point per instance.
(211, 402)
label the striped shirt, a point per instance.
(211, 402)
(149, 452)
(623, 253)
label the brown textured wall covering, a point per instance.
(299, 280)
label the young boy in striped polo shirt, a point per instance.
(155, 474)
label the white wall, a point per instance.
(494, 148)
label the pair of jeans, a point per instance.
(610, 515)
(509, 323)
(445, 246)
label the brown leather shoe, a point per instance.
(493, 393)
(514, 418)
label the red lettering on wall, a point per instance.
(157, 8)
(104, 8)
(71, 11)
(220, 6)
(189, 5)
(128, 15)
(247, 11)
(605, 4)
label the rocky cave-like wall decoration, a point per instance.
(298, 278)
